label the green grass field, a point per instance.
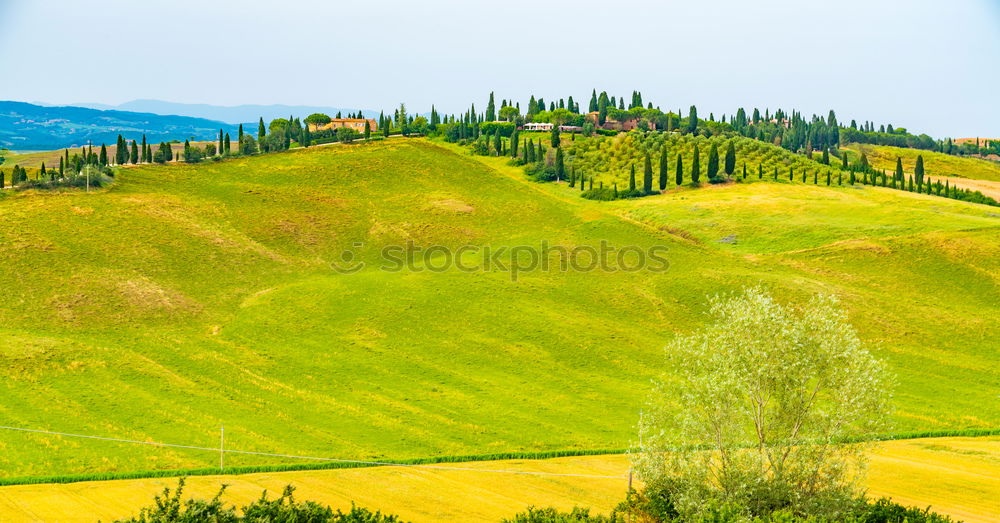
(935, 164)
(186, 297)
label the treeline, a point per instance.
(789, 130)
(652, 505)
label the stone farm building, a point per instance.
(615, 125)
(545, 126)
(358, 124)
(983, 142)
(538, 126)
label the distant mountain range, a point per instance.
(229, 114)
(25, 126)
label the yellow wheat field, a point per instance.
(956, 476)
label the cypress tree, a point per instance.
(261, 130)
(791, 173)
(555, 136)
(918, 171)
(121, 151)
(514, 141)
(631, 178)
(616, 191)
(491, 110)
(560, 167)
(816, 177)
(647, 176)
(1, 179)
(843, 161)
(828, 178)
(61, 168)
(590, 185)
(744, 171)
(593, 102)
(663, 169)
(899, 170)
(103, 159)
(497, 142)
(713, 163)
(730, 163)
(368, 129)
(692, 124)
(679, 172)
(145, 152)
(775, 173)
(239, 135)
(134, 156)
(910, 185)
(304, 129)
(222, 141)
(696, 166)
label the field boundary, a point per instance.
(419, 462)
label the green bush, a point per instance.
(551, 515)
(170, 508)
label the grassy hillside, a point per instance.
(954, 476)
(189, 297)
(609, 159)
(935, 164)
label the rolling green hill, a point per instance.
(193, 296)
(935, 164)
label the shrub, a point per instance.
(551, 515)
(169, 508)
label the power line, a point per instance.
(314, 458)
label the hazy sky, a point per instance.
(928, 65)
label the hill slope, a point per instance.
(189, 297)
(33, 127)
(935, 164)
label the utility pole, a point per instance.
(222, 448)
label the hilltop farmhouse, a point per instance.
(358, 124)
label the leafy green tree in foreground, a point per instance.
(760, 410)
